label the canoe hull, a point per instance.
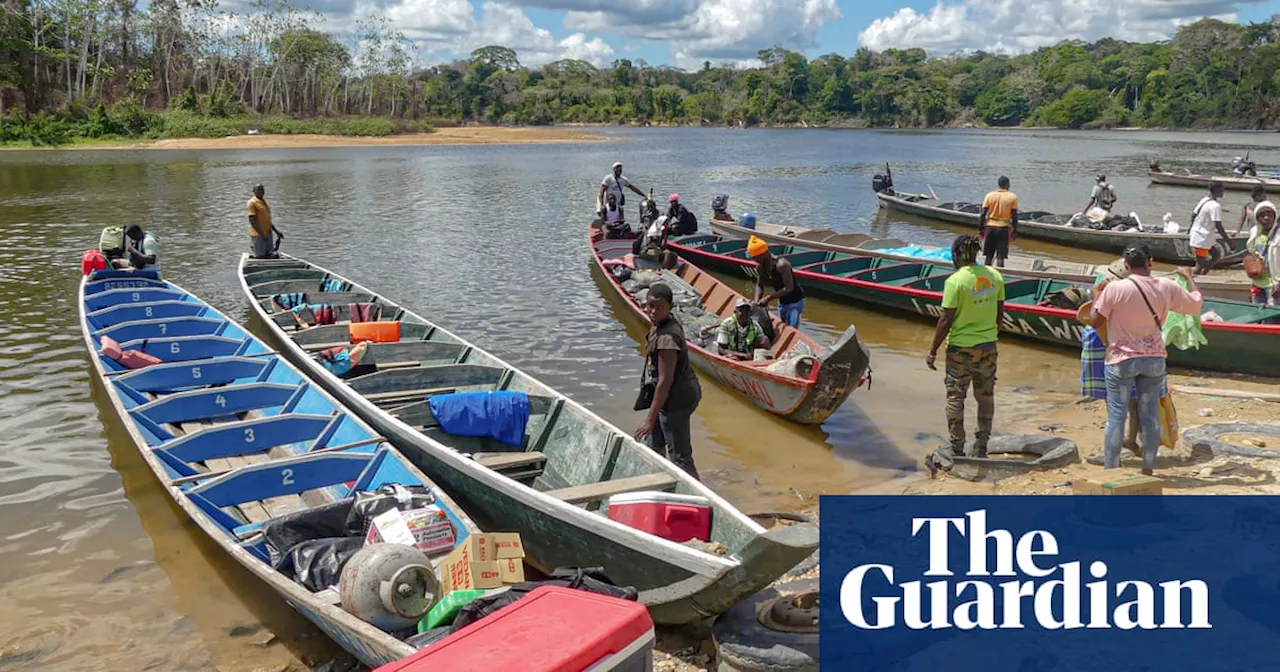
(1232, 348)
(368, 644)
(676, 588)
(1175, 249)
(810, 401)
(1209, 285)
(1229, 182)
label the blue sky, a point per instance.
(684, 33)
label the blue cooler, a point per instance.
(747, 221)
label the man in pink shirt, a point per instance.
(1132, 312)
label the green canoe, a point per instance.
(1246, 341)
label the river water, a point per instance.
(99, 569)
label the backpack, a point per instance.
(111, 241)
(1107, 197)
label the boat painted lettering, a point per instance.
(126, 284)
(1063, 331)
(1007, 324)
(747, 386)
(1051, 594)
(930, 309)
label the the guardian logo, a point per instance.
(1051, 603)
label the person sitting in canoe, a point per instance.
(740, 334)
(142, 248)
(615, 222)
(685, 223)
(614, 183)
(778, 274)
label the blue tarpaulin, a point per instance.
(499, 415)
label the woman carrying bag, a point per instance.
(669, 390)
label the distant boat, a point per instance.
(239, 438)
(1230, 285)
(1168, 247)
(1229, 182)
(553, 487)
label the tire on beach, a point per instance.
(808, 563)
(745, 644)
(1205, 437)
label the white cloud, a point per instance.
(431, 19)
(510, 27)
(714, 30)
(1014, 26)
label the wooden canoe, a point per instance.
(807, 392)
(238, 437)
(552, 488)
(1247, 341)
(1174, 248)
(1232, 285)
(1229, 182)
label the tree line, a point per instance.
(106, 68)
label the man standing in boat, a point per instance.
(771, 271)
(1102, 196)
(972, 303)
(998, 225)
(261, 229)
(1206, 226)
(614, 183)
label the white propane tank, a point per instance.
(389, 586)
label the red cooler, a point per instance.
(552, 629)
(664, 514)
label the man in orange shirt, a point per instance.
(999, 223)
(261, 229)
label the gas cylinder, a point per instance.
(389, 586)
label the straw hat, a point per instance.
(1116, 270)
(1085, 313)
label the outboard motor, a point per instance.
(720, 207)
(1242, 166)
(879, 183)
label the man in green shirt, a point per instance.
(972, 304)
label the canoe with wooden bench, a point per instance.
(239, 437)
(553, 484)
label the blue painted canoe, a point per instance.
(239, 437)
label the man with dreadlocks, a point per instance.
(972, 303)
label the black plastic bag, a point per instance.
(590, 579)
(317, 564)
(322, 522)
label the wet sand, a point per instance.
(460, 135)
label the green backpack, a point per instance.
(111, 242)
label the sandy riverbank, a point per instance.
(1084, 422)
(460, 135)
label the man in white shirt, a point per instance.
(142, 248)
(1206, 226)
(614, 183)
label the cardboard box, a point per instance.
(1120, 484)
(428, 529)
(483, 561)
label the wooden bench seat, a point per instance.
(594, 492)
(499, 461)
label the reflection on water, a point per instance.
(101, 570)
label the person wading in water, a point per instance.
(771, 271)
(972, 304)
(676, 392)
(1131, 312)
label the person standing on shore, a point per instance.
(614, 183)
(1263, 289)
(1132, 312)
(261, 229)
(1206, 226)
(998, 224)
(776, 273)
(676, 391)
(972, 304)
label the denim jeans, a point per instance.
(790, 312)
(261, 247)
(1147, 374)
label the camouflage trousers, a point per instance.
(976, 365)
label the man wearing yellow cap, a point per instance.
(776, 273)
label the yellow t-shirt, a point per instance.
(1000, 205)
(259, 208)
